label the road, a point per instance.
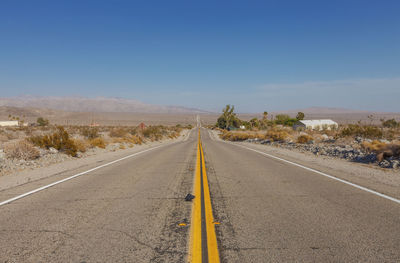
(134, 211)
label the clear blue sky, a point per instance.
(257, 55)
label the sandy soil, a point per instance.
(76, 165)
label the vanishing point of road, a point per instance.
(247, 207)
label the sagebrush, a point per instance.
(59, 140)
(21, 150)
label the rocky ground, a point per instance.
(351, 152)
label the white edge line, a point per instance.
(74, 176)
(321, 173)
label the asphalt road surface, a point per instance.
(134, 211)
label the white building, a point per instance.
(9, 123)
(315, 125)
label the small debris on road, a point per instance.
(189, 197)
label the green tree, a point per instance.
(281, 119)
(228, 118)
(300, 116)
(392, 123)
(254, 123)
(42, 122)
(221, 122)
(265, 116)
(284, 119)
(264, 121)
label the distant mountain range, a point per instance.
(323, 110)
(98, 104)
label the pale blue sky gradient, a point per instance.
(257, 55)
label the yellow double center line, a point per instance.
(203, 241)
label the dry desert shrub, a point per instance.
(98, 142)
(365, 131)
(135, 139)
(118, 133)
(382, 150)
(21, 150)
(90, 132)
(154, 133)
(128, 139)
(59, 140)
(173, 135)
(240, 135)
(373, 146)
(81, 145)
(304, 138)
(277, 135)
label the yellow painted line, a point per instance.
(195, 240)
(196, 237)
(213, 254)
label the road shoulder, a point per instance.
(77, 165)
(378, 179)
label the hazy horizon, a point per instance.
(102, 104)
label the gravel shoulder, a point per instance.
(60, 165)
(386, 181)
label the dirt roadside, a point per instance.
(75, 165)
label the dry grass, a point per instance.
(73, 139)
(277, 135)
(365, 131)
(373, 146)
(81, 145)
(128, 139)
(240, 136)
(21, 150)
(98, 142)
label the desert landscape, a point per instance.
(199, 131)
(42, 137)
(360, 136)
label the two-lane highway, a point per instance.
(263, 210)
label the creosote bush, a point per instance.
(90, 132)
(118, 132)
(371, 132)
(155, 133)
(81, 145)
(59, 140)
(21, 150)
(304, 138)
(277, 135)
(42, 122)
(98, 142)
